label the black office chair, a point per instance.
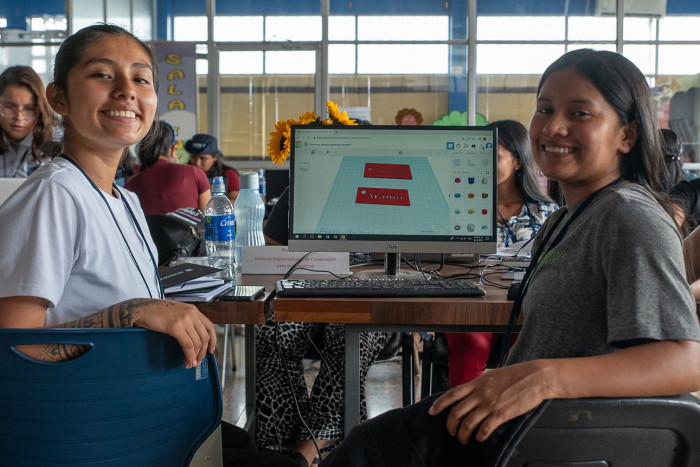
(629, 432)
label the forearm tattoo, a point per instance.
(120, 315)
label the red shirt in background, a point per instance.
(165, 187)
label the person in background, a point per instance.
(672, 150)
(26, 123)
(280, 383)
(410, 117)
(684, 192)
(162, 184)
(632, 331)
(205, 154)
(522, 209)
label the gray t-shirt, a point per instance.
(616, 279)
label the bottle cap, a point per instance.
(249, 181)
(218, 185)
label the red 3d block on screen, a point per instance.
(389, 196)
(399, 171)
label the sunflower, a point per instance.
(336, 117)
(306, 118)
(278, 146)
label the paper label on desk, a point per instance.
(278, 260)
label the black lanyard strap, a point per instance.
(138, 228)
(543, 248)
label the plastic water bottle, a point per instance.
(219, 233)
(249, 210)
(262, 184)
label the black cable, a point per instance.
(294, 266)
(283, 361)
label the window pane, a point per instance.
(190, 28)
(514, 59)
(639, 29)
(506, 28)
(507, 97)
(341, 28)
(143, 19)
(290, 63)
(341, 58)
(678, 59)
(251, 105)
(202, 66)
(293, 28)
(396, 59)
(238, 28)
(644, 56)
(583, 45)
(40, 58)
(384, 95)
(592, 28)
(241, 63)
(679, 28)
(395, 28)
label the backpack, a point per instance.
(177, 234)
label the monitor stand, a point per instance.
(392, 270)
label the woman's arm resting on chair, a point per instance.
(653, 369)
(193, 331)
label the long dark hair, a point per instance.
(218, 167)
(672, 150)
(513, 136)
(626, 89)
(27, 78)
(151, 150)
(73, 48)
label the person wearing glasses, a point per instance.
(26, 122)
(162, 184)
(205, 154)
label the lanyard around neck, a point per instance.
(544, 247)
(133, 218)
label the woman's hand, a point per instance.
(183, 321)
(492, 399)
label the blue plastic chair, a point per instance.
(127, 401)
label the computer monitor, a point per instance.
(393, 189)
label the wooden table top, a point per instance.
(493, 309)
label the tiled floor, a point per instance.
(383, 384)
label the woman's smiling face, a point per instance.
(576, 134)
(110, 100)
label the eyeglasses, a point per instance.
(9, 110)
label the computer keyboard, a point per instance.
(376, 288)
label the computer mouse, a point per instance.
(513, 290)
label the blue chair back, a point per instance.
(127, 401)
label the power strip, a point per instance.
(513, 276)
(515, 261)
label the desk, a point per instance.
(483, 314)
(249, 314)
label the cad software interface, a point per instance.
(433, 183)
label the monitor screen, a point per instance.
(395, 189)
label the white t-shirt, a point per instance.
(59, 242)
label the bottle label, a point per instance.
(219, 228)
